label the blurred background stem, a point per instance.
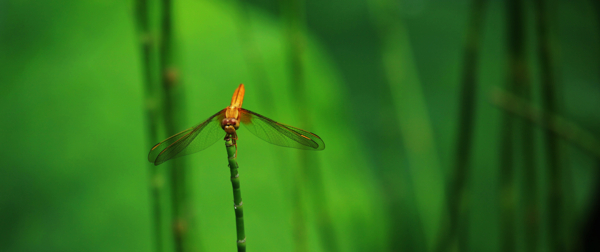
(147, 43)
(548, 99)
(455, 232)
(552, 124)
(507, 184)
(174, 111)
(519, 82)
(309, 169)
(253, 56)
(292, 13)
(410, 107)
(516, 80)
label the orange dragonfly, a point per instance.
(228, 120)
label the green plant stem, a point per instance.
(174, 110)
(292, 12)
(555, 201)
(553, 124)
(238, 204)
(519, 82)
(425, 179)
(455, 231)
(253, 56)
(146, 43)
(507, 184)
(308, 172)
(515, 80)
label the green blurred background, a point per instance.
(418, 102)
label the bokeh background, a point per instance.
(450, 125)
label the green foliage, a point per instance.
(74, 173)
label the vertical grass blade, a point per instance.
(238, 204)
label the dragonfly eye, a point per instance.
(230, 122)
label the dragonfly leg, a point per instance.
(234, 140)
(233, 137)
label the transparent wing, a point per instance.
(188, 141)
(280, 134)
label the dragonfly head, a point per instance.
(230, 125)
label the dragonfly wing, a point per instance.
(189, 141)
(280, 134)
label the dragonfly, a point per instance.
(225, 123)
